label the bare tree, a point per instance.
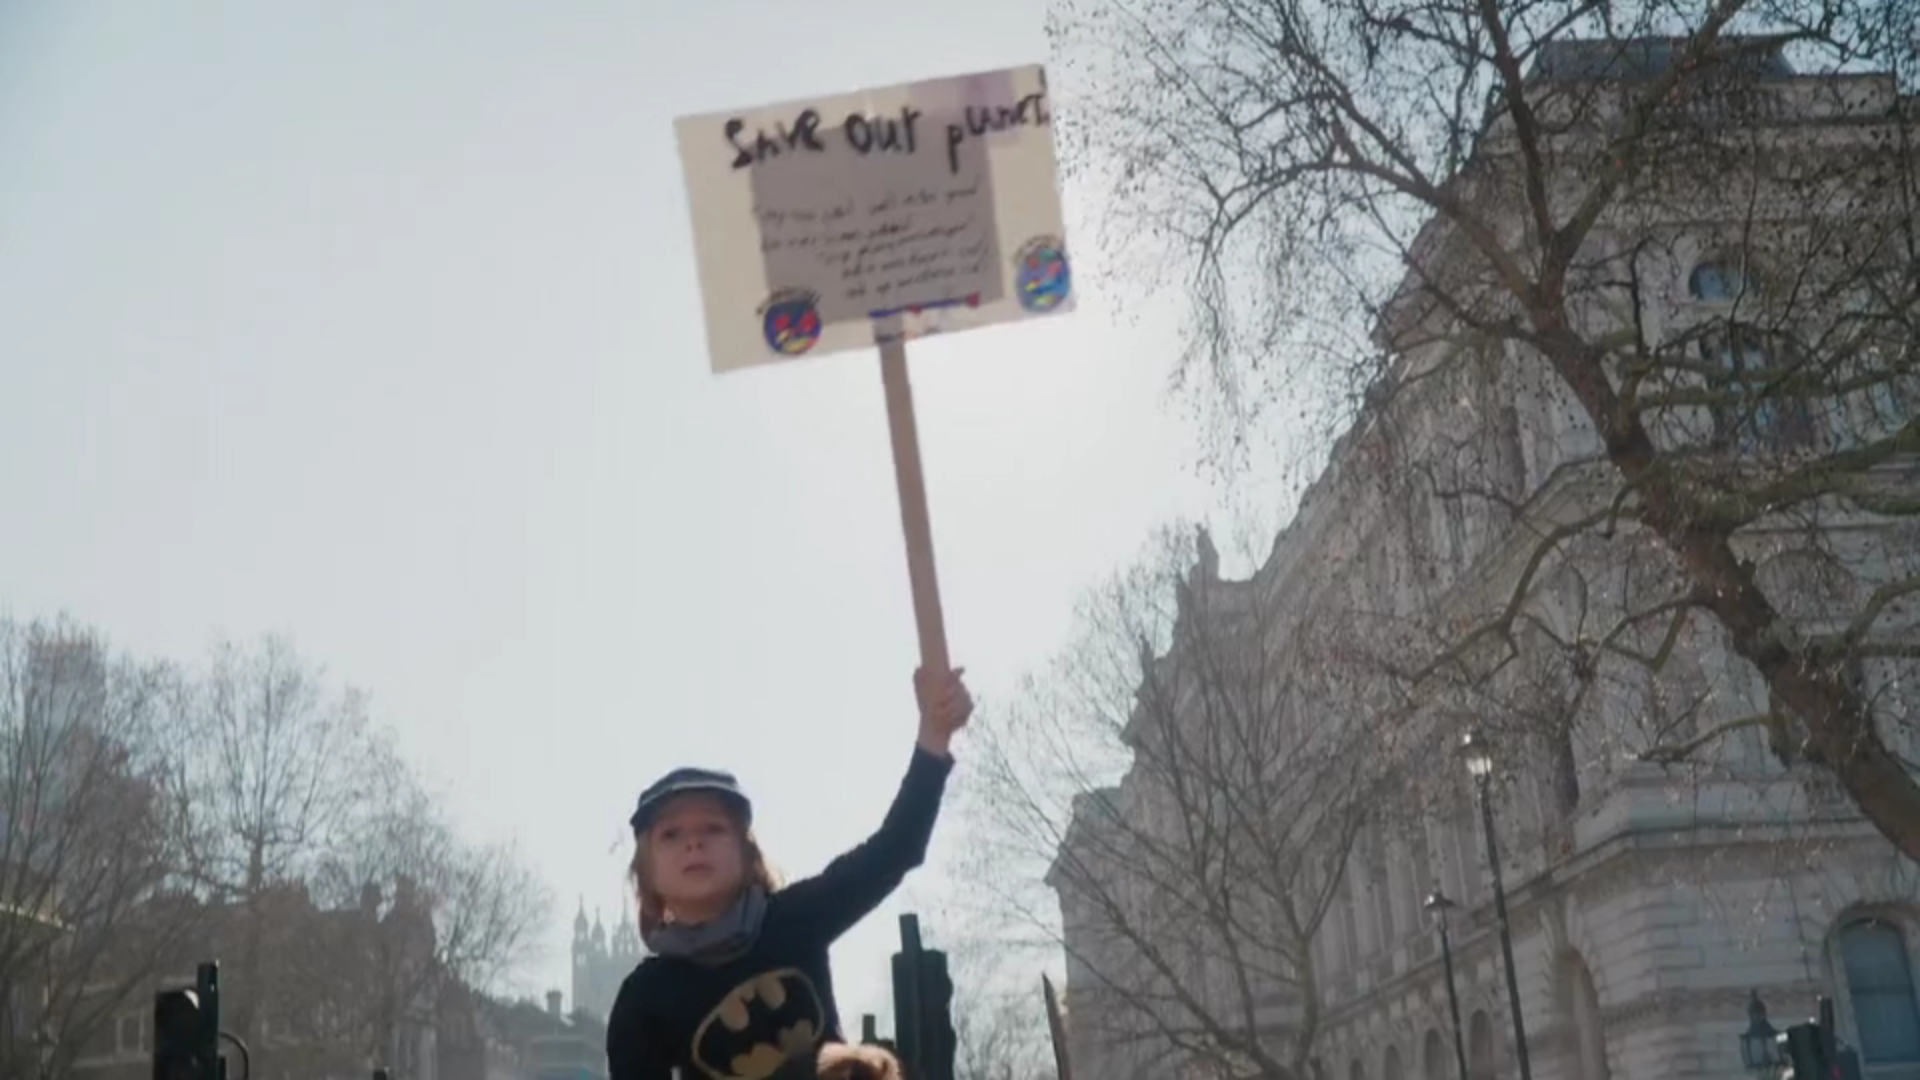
(1195, 772)
(999, 1017)
(1000, 1033)
(282, 761)
(88, 840)
(1683, 240)
(150, 820)
(451, 913)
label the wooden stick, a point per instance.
(913, 506)
(1057, 1031)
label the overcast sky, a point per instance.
(375, 324)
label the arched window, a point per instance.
(1436, 1060)
(1348, 909)
(1590, 1036)
(1378, 889)
(1759, 410)
(1480, 1046)
(1392, 1069)
(1716, 281)
(1879, 979)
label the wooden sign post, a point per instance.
(1057, 1031)
(915, 522)
(871, 219)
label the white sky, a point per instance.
(375, 324)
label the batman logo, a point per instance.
(758, 1025)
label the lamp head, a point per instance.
(1477, 752)
(1760, 1043)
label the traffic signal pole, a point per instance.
(922, 1006)
(1813, 1050)
(186, 1030)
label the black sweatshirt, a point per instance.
(740, 1020)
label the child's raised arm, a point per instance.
(851, 886)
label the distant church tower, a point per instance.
(600, 965)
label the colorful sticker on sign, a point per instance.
(1041, 275)
(790, 321)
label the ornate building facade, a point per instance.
(601, 962)
(1649, 901)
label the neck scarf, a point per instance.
(725, 937)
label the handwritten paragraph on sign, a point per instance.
(922, 247)
(829, 225)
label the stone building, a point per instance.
(1649, 901)
(574, 1048)
(600, 964)
(340, 990)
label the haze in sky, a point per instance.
(375, 324)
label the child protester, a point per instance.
(737, 984)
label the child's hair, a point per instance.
(653, 907)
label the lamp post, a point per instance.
(1760, 1043)
(43, 1044)
(1479, 759)
(1438, 903)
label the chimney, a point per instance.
(553, 1003)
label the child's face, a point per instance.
(695, 856)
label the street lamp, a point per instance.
(1478, 754)
(1438, 903)
(1760, 1043)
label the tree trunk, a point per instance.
(1840, 731)
(246, 1003)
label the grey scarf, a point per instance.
(726, 937)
